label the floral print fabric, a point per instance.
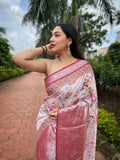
(72, 90)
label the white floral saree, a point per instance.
(73, 135)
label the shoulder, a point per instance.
(84, 62)
(86, 65)
(49, 64)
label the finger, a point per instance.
(54, 118)
(52, 114)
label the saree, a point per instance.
(72, 136)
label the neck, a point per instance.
(64, 56)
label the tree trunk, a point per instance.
(63, 16)
(74, 21)
(74, 14)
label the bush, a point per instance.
(20, 70)
(3, 75)
(105, 72)
(114, 53)
(6, 73)
(109, 74)
(108, 127)
(12, 73)
(97, 68)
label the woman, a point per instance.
(67, 120)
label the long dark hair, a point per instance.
(71, 32)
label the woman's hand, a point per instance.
(53, 114)
(49, 51)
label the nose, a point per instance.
(51, 39)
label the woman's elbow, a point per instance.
(16, 60)
(13, 58)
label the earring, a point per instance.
(68, 49)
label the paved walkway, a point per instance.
(20, 100)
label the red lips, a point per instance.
(52, 45)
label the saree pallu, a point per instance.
(73, 135)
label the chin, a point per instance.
(54, 51)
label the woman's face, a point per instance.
(58, 41)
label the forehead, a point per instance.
(57, 29)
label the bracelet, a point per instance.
(43, 50)
(46, 49)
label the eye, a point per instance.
(57, 35)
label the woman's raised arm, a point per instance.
(25, 59)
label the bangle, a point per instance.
(46, 49)
(43, 50)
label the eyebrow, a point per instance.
(56, 32)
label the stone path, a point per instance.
(20, 100)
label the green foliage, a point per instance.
(107, 68)
(108, 127)
(46, 14)
(4, 75)
(2, 31)
(114, 53)
(5, 56)
(118, 17)
(8, 69)
(7, 73)
(4, 46)
(110, 75)
(90, 32)
(20, 71)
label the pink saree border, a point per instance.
(57, 131)
(61, 69)
(56, 76)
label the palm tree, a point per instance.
(105, 6)
(46, 14)
(43, 12)
(74, 14)
(118, 17)
(108, 9)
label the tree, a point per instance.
(91, 33)
(113, 53)
(106, 7)
(4, 48)
(46, 14)
(74, 14)
(118, 18)
(2, 31)
(43, 12)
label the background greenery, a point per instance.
(8, 69)
(107, 67)
(108, 128)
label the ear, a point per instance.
(69, 41)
